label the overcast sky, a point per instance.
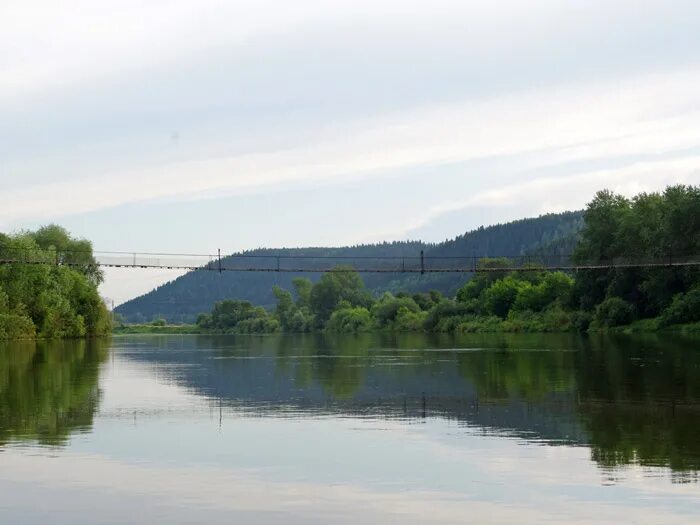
(187, 126)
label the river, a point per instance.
(351, 429)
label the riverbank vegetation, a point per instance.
(183, 299)
(55, 299)
(657, 227)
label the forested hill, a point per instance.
(185, 297)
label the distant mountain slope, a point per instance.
(185, 297)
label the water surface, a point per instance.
(370, 429)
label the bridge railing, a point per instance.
(314, 263)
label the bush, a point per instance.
(350, 320)
(15, 326)
(409, 321)
(685, 308)
(444, 309)
(614, 312)
(554, 287)
(500, 297)
(581, 320)
(386, 310)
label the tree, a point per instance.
(614, 312)
(342, 283)
(350, 319)
(47, 299)
(386, 309)
(553, 287)
(302, 287)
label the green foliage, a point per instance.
(15, 326)
(341, 284)
(239, 317)
(614, 312)
(409, 321)
(181, 329)
(685, 308)
(499, 298)
(657, 227)
(294, 317)
(386, 310)
(54, 300)
(496, 298)
(204, 321)
(302, 287)
(76, 253)
(474, 288)
(445, 316)
(185, 297)
(554, 287)
(426, 300)
(350, 319)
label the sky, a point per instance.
(189, 126)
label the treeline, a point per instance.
(56, 295)
(182, 299)
(653, 227)
(340, 302)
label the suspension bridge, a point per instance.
(419, 263)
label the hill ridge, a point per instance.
(183, 298)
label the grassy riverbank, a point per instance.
(156, 329)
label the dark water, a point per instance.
(366, 429)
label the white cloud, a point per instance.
(643, 116)
(567, 192)
(541, 96)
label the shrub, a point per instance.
(444, 309)
(15, 326)
(685, 308)
(409, 321)
(499, 298)
(614, 312)
(554, 287)
(350, 320)
(581, 320)
(385, 311)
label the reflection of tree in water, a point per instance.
(640, 401)
(48, 389)
(637, 398)
(339, 363)
(521, 367)
(633, 400)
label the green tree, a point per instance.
(350, 319)
(555, 287)
(51, 299)
(386, 309)
(614, 312)
(499, 298)
(303, 287)
(340, 284)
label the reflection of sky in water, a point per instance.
(158, 452)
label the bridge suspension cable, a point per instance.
(314, 263)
